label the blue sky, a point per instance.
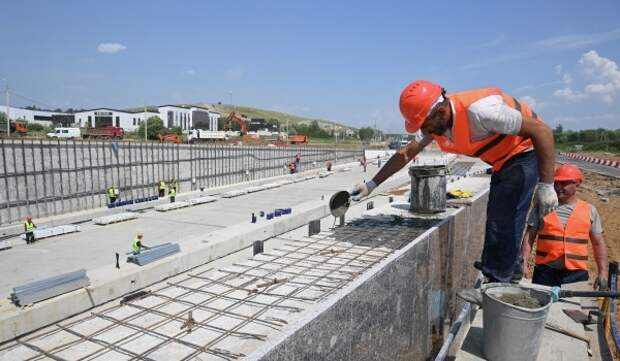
(340, 60)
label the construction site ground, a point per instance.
(233, 329)
(95, 246)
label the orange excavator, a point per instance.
(233, 117)
(170, 138)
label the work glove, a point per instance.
(601, 284)
(362, 190)
(546, 198)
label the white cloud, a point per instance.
(574, 41)
(569, 95)
(603, 75)
(110, 48)
(189, 72)
(547, 46)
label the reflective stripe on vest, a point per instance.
(29, 226)
(495, 149)
(568, 243)
(134, 246)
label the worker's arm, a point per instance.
(542, 137)
(393, 165)
(526, 249)
(400, 159)
(600, 253)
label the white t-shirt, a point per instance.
(489, 115)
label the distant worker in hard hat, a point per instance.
(137, 245)
(29, 227)
(173, 184)
(562, 245)
(162, 189)
(502, 131)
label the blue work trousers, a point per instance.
(509, 200)
(545, 275)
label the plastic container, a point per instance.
(510, 332)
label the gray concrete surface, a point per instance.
(95, 246)
(393, 309)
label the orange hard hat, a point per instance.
(416, 102)
(568, 172)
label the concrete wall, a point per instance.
(44, 178)
(401, 308)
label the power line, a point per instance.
(50, 107)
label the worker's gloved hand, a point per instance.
(555, 293)
(601, 284)
(362, 190)
(546, 198)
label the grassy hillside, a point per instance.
(225, 109)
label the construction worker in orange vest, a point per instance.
(562, 246)
(502, 131)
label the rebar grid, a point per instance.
(323, 264)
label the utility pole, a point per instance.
(146, 125)
(8, 111)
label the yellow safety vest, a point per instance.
(162, 185)
(134, 246)
(173, 192)
(29, 226)
(111, 192)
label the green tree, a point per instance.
(2, 117)
(35, 127)
(155, 126)
(366, 133)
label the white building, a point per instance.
(43, 117)
(103, 117)
(186, 117)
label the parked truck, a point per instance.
(17, 127)
(103, 132)
(298, 139)
(199, 135)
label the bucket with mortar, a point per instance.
(513, 322)
(428, 188)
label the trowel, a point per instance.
(339, 203)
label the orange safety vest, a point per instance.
(495, 149)
(570, 242)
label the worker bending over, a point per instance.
(136, 245)
(29, 227)
(502, 131)
(562, 246)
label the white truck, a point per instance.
(65, 133)
(199, 135)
